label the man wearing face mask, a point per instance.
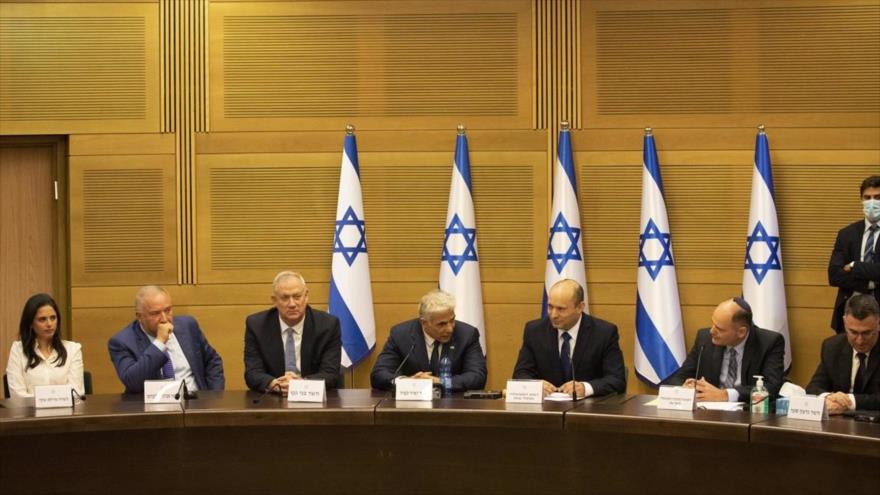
(854, 267)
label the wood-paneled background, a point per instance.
(205, 142)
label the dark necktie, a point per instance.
(290, 352)
(730, 380)
(859, 382)
(435, 359)
(168, 367)
(565, 356)
(868, 256)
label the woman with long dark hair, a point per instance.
(40, 357)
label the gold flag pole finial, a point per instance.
(761, 129)
(649, 131)
(349, 130)
(461, 130)
(564, 125)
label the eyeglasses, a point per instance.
(867, 334)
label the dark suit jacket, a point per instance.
(136, 358)
(835, 369)
(848, 248)
(596, 358)
(320, 349)
(468, 362)
(763, 354)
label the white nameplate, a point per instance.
(807, 407)
(676, 398)
(525, 391)
(52, 396)
(162, 391)
(305, 391)
(414, 389)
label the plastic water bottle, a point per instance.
(760, 398)
(446, 374)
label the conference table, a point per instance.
(363, 441)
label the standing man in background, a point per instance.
(854, 267)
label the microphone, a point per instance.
(405, 359)
(699, 358)
(75, 395)
(275, 387)
(187, 395)
(573, 381)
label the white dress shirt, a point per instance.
(182, 370)
(22, 379)
(573, 332)
(297, 338)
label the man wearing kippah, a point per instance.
(730, 353)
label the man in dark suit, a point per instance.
(291, 341)
(159, 345)
(570, 348)
(730, 354)
(424, 341)
(854, 267)
(848, 370)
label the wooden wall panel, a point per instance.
(718, 63)
(248, 230)
(702, 73)
(70, 68)
(123, 219)
(312, 65)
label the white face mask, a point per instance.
(872, 209)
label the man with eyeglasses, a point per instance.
(159, 345)
(291, 341)
(848, 374)
(730, 354)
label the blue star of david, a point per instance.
(760, 270)
(573, 253)
(457, 261)
(665, 259)
(350, 253)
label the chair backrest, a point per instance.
(87, 384)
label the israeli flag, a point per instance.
(351, 298)
(763, 283)
(564, 252)
(660, 349)
(459, 264)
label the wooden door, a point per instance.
(32, 230)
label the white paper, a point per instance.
(306, 391)
(525, 392)
(52, 396)
(721, 406)
(558, 397)
(676, 398)
(808, 407)
(162, 391)
(414, 389)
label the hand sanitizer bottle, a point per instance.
(760, 398)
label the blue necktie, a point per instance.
(168, 367)
(290, 352)
(565, 356)
(868, 256)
